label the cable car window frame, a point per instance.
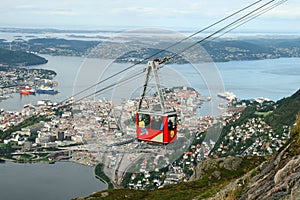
(173, 119)
(159, 124)
(146, 118)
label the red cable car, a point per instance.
(155, 122)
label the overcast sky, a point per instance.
(177, 14)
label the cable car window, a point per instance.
(145, 119)
(172, 122)
(157, 123)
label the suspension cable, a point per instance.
(162, 50)
(235, 24)
(249, 18)
(222, 29)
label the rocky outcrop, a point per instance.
(214, 167)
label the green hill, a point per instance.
(19, 58)
(285, 112)
(280, 116)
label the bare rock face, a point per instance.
(202, 168)
(290, 169)
(231, 163)
(214, 166)
(217, 175)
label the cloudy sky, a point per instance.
(178, 14)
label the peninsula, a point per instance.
(19, 58)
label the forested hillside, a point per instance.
(19, 58)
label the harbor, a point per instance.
(109, 145)
(26, 81)
(97, 131)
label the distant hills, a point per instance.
(57, 46)
(134, 49)
(19, 58)
(51, 46)
(221, 50)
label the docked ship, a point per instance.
(2, 97)
(27, 91)
(46, 90)
(229, 96)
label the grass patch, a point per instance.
(263, 114)
(26, 156)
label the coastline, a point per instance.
(63, 180)
(99, 174)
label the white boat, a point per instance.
(3, 97)
(46, 90)
(229, 96)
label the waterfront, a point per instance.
(247, 79)
(60, 181)
(273, 79)
(65, 67)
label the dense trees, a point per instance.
(18, 58)
(285, 112)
